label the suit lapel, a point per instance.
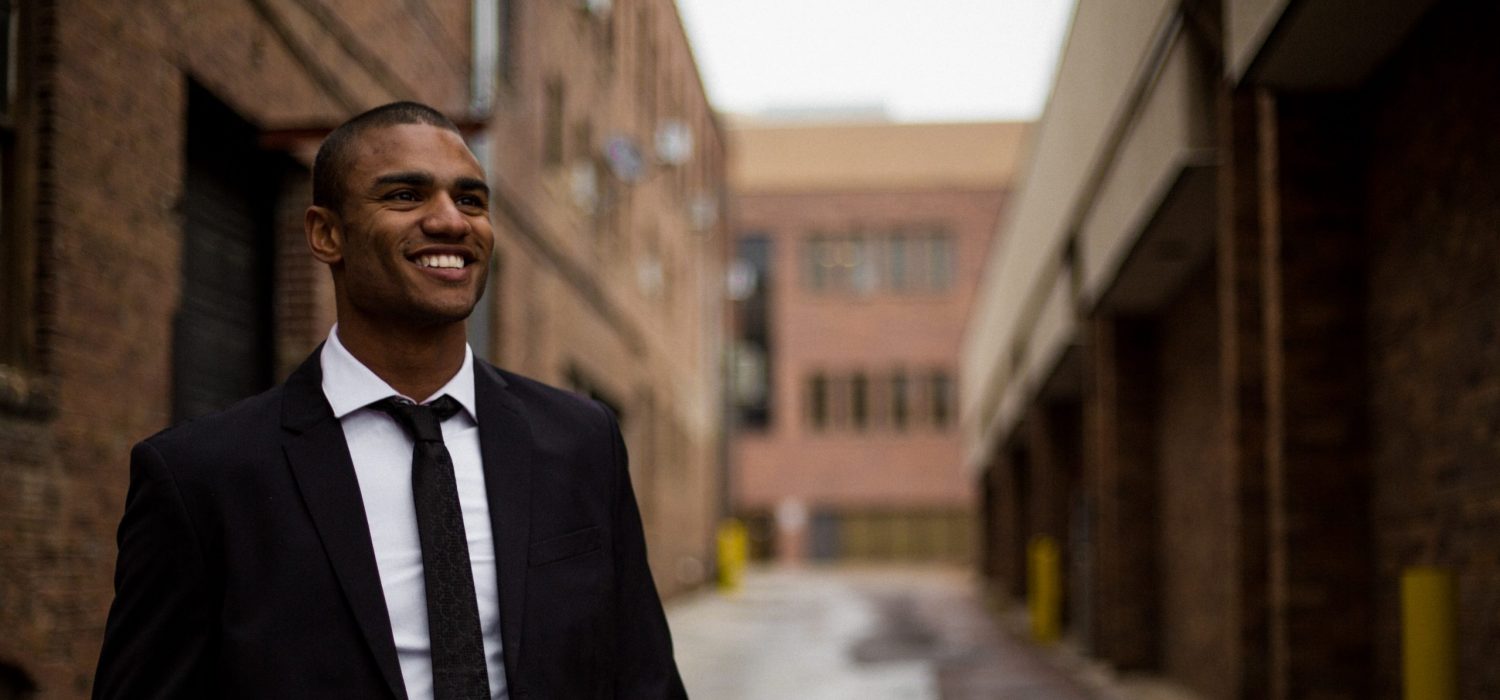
(506, 446)
(320, 462)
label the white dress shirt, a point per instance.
(382, 454)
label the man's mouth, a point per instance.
(440, 261)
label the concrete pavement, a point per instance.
(855, 634)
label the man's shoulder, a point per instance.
(239, 427)
(546, 403)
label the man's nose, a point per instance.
(443, 218)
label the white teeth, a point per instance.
(449, 261)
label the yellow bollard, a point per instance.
(1044, 592)
(1429, 634)
(734, 552)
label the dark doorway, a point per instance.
(222, 337)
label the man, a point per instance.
(399, 519)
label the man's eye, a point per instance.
(471, 202)
(402, 196)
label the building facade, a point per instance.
(1234, 353)
(155, 168)
(858, 248)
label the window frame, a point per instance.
(24, 388)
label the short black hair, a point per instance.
(333, 156)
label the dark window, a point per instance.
(900, 413)
(838, 402)
(859, 401)
(941, 395)
(507, 17)
(645, 68)
(223, 332)
(17, 245)
(753, 370)
(553, 137)
(817, 401)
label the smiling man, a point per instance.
(400, 519)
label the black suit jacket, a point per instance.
(246, 570)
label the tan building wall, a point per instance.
(887, 484)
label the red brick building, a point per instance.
(858, 247)
(154, 167)
(1236, 351)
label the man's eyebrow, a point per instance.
(413, 178)
(470, 184)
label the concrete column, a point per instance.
(1120, 468)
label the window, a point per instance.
(900, 413)
(901, 262)
(940, 262)
(645, 67)
(553, 137)
(750, 289)
(17, 244)
(940, 393)
(817, 401)
(506, 15)
(859, 401)
(896, 258)
(838, 402)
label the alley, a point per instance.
(847, 634)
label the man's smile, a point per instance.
(447, 264)
(445, 261)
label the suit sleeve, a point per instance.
(645, 667)
(159, 639)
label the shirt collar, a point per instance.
(350, 385)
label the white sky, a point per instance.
(923, 60)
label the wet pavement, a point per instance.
(856, 634)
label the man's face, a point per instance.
(415, 236)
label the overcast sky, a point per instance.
(927, 60)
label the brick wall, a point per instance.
(1196, 496)
(1121, 477)
(109, 227)
(1317, 463)
(1434, 208)
(842, 333)
(575, 303)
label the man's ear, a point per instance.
(325, 234)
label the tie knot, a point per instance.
(421, 421)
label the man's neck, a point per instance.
(415, 362)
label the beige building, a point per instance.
(858, 249)
(1234, 352)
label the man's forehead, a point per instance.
(411, 146)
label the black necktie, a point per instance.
(458, 669)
